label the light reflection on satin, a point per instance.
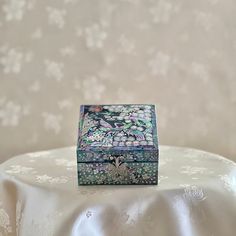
(182, 216)
(85, 227)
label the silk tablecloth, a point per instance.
(196, 195)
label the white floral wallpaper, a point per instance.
(58, 54)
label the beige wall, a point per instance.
(56, 55)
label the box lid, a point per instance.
(128, 129)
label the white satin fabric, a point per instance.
(196, 196)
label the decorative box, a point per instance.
(117, 144)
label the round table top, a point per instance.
(196, 195)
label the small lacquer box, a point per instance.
(117, 144)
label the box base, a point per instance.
(144, 173)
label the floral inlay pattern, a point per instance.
(117, 126)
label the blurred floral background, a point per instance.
(58, 54)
